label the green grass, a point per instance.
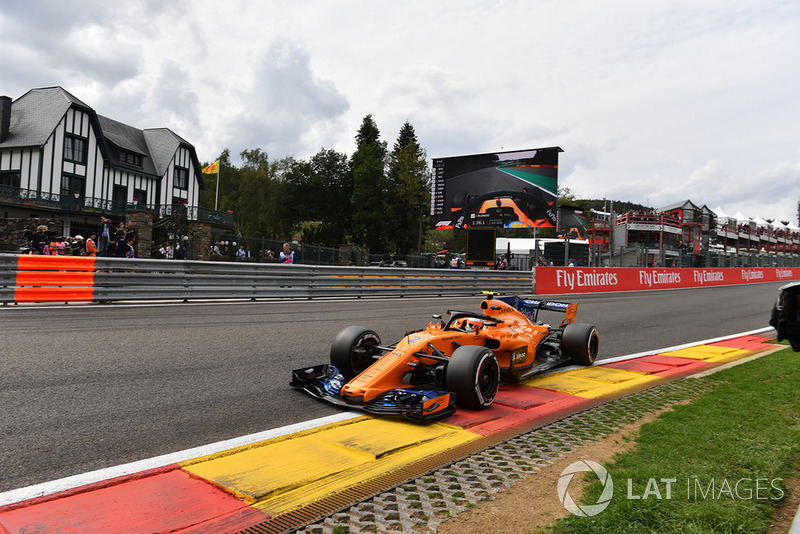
(745, 430)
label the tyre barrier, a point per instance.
(30, 278)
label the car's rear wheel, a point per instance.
(473, 374)
(580, 342)
(354, 349)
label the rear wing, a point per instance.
(531, 307)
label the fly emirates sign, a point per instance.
(555, 280)
(574, 279)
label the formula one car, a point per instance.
(457, 362)
(511, 208)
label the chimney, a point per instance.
(5, 117)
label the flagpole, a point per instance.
(216, 196)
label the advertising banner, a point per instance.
(556, 280)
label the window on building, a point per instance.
(181, 177)
(179, 206)
(140, 197)
(75, 149)
(9, 179)
(72, 191)
(131, 159)
(9, 184)
(119, 197)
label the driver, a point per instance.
(470, 325)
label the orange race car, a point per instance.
(461, 361)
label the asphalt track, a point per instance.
(86, 387)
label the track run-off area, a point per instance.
(90, 387)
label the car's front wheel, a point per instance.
(580, 342)
(473, 374)
(354, 349)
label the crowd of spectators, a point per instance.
(242, 252)
(170, 251)
(106, 241)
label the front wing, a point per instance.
(418, 405)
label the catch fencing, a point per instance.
(32, 278)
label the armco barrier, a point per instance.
(67, 278)
(555, 280)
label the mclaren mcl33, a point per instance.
(460, 361)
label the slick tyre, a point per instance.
(473, 374)
(580, 342)
(354, 349)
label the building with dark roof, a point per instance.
(60, 159)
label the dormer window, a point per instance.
(131, 159)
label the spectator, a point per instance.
(91, 248)
(286, 256)
(58, 246)
(267, 255)
(169, 251)
(130, 234)
(104, 236)
(40, 243)
(502, 264)
(78, 246)
(215, 250)
(180, 251)
(241, 254)
(121, 247)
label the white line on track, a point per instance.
(92, 477)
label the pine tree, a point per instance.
(370, 188)
(409, 199)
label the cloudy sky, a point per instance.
(652, 102)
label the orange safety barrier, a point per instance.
(54, 278)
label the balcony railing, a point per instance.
(32, 198)
(654, 219)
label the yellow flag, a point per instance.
(212, 169)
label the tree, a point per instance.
(260, 207)
(409, 196)
(319, 191)
(370, 188)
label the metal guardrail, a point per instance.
(120, 279)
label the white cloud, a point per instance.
(652, 102)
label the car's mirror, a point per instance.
(785, 317)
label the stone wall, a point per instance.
(142, 220)
(12, 231)
(199, 240)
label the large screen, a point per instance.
(514, 189)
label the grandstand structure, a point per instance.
(685, 234)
